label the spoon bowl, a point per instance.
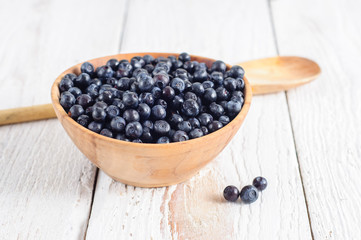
(143, 164)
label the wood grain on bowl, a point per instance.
(147, 165)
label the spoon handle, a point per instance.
(26, 114)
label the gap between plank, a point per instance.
(125, 17)
(273, 26)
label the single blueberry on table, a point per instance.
(231, 193)
(260, 183)
(249, 194)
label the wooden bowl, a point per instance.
(143, 164)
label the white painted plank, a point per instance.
(46, 184)
(326, 114)
(233, 31)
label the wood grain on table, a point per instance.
(306, 141)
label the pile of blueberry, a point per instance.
(248, 194)
(153, 100)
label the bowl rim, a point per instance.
(55, 94)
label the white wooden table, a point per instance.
(306, 141)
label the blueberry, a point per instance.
(249, 194)
(148, 59)
(113, 63)
(112, 81)
(120, 73)
(67, 100)
(240, 83)
(92, 87)
(163, 139)
(205, 119)
(123, 83)
(71, 76)
(223, 104)
(144, 111)
(161, 102)
(196, 133)
(117, 124)
(75, 91)
(181, 73)
(180, 136)
(82, 81)
(234, 107)
(121, 136)
(119, 103)
(177, 64)
(219, 66)
(190, 95)
(168, 93)
(104, 72)
(87, 68)
(102, 105)
(125, 66)
(222, 94)
(200, 75)
(184, 57)
(214, 126)
(104, 88)
(147, 136)
(187, 85)
(236, 72)
(184, 126)
(131, 115)
(156, 92)
(171, 133)
(238, 95)
(137, 62)
(205, 130)
(198, 88)
(216, 110)
(208, 84)
(224, 120)
(134, 87)
(83, 120)
(231, 193)
(217, 78)
(161, 127)
(190, 108)
(96, 81)
(112, 111)
(149, 68)
(174, 119)
(146, 98)
(260, 183)
(161, 80)
(75, 111)
(177, 102)
(148, 124)
(99, 114)
(65, 84)
(210, 95)
(133, 130)
(130, 99)
(106, 132)
(146, 84)
(95, 126)
(199, 66)
(173, 59)
(158, 112)
(178, 85)
(189, 66)
(106, 96)
(230, 84)
(137, 141)
(194, 123)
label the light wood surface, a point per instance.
(147, 165)
(305, 141)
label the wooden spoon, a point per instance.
(266, 75)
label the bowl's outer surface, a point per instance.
(147, 165)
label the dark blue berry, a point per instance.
(82, 81)
(75, 111)
(95, 126)
(184, 126)
(145, 84)
(174, 119)
(149, 68)
(149, 124)
(260, 183)
(106, 96)
(240, 83)
(147, 136)
(161, 127)
(123, 83)
(208, 84)
(100, 104)
(99, 114)
(184, 57)
(65, 84)
(104, 72)
(236, 72)
(217, 78)
(210, 95)
(144, 111)
(194, 123)
(230, 84)
(163, 139)
(156, 92)
(83, 120)
(180, 136)
(219, 66)
(161, 80)
(222, 94)
(113, 63)
(71, 76)
(137, 141)
(137, 62)
(198, 88)
(158, 112)
(177, 102)
(96, 81)
(231, 193)
(148, 59)
(131, 115)
(216, 110)
(178, 85)
(234, 107)
(189, 66)
(205, 119)
(196, 133)
(133, 130)
(224, 120)
(190, 95)
(200, 75)
(161, 102)
(117, 124)
(190, 108)
(75, 91)
(130, 99)
(112, 111)
(249, 194)
(205, 130)
(168, 93)
(67, 100)
(119, 103)
(106, 132)
(87, 68)
(121, 136)
(214, 126)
